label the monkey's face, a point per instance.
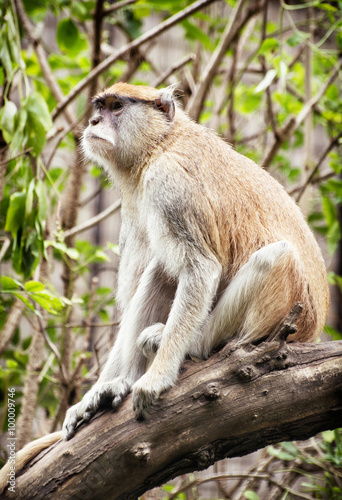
(100, 138)
(124, 129)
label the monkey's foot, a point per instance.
(146, 391)
(150, 338)
(143, 400)
(99, 396)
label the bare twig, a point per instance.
(149, 35)
(233, 27)
(117, 6)
(294, 122)
(176, 66)
(51, 346)
(82, 324)
(262, 477)
(22, 153)
(5, 247)
(94, 284)
(11, 324)
(97, 38)
(334, 142)
(94, 220)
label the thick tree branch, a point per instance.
(238, 401)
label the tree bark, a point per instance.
(239, 400)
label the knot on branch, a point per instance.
(288, 326)
(206, 457)
(212, 391)
(142, 452)
(246, 373)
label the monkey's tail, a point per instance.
(26, 454)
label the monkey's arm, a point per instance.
(126, 362)
(195, 292)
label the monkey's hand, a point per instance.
(150, 338)
(100, 395)
(147, 390)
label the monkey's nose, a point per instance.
(95, 120)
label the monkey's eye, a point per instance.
(116, 106)
(99, 105)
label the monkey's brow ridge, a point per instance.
(102, 97)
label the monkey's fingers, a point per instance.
(73, 416)
(143, 401)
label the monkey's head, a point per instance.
(129, 121)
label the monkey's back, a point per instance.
(245, 209)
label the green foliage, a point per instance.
(324, 459)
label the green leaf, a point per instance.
(60, 246)
(34, 286)
(16, 213)
(19, 137)
(36, 134)
(11, 364)
(282, 455)
(42, 201)
(328, 436)
(251, 495)
(7, 118)
(192, 32)
(101, 256)
(68, 36)
(47, 301)
(266, 81)
(8, 283)
(36, 105)
(25, 300)
(268, 45)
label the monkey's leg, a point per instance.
(126, 362)
(258, 298)
(150, 339)
(196, 289)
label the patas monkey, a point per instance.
(211, 247)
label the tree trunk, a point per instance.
(239, 400)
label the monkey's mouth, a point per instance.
(96, 137)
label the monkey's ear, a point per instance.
(165, 103)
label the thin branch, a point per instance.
(220, 477)
(175, 67)
(149, 35)
(93, 286)
(294, 122)
(97, 38)
(334, 142)
(5, 247)
(52, 346)
(22, 153)
(232, 29)
(11, 324)
(65, 131)
(82, 324)
(117, 6)
(94, 220)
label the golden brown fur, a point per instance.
(212, 247)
